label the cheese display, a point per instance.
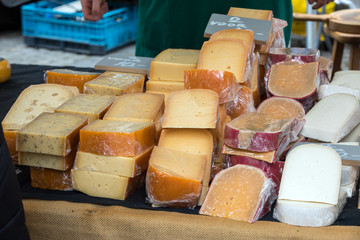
(332, 118)
(69, 77)
(105, 185)
(5, 70)
(93, 106)
(280, 107)
(169, 65)
(294, 80)
(251, 13)
(45, 178)
(243, 103)
(117, 165)
(115, 83)
(257, 132)
(225, 55)
(155, 85)
(240, 192)
(117, 138)
(174, 178)
(222, 82)
(62, 163)
(51, 133)
(192, 108)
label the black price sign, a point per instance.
(120, 63)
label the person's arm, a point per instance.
(94, 10)
(319, 3)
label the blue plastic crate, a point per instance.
(44, 27)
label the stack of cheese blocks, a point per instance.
(114, 152)
(180, 166)
(167, 70)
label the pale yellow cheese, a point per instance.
(225, 55)
(35, 100)
(51, 133)
(115, 83)
(155, 85)
(169, 65)
(251, 13)
(163, 93)
(98, 184)
(93, 106)
(191, 108)
(122, 166)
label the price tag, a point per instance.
(120, 63)
(219, 22)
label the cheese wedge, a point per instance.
(349, 174)
(155, 85)
(10, 138)
(93, 106)
(192, 108)
(349, 78)
(327, 90)
(353, 136)
(280, 108)
(117, 138)
(251, 13)
(163, 93)
(243, 103)
(169, 65)
(115, 83)
(255, 79)
(51, 133)
(174, 178)
(51, 179)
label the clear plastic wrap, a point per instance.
(241, 192)
(69, 77)
(281, 107)
(327, 90)
(115, 83)
(45, 178)
(278, 31)
(254, 79)
(326, 67)
(117, 138)
(243, 103)
(349, 174)
(222, 82)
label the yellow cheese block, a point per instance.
(45, 178)
(255, 80)
(169, 65)
(98, 184)
(5, 70)
(51, 133)
(225, 55)
(47, 161)
(191, 108)
(204, 191)
(251, 13)
(117, 138)
(174, 178)
(35, 100)
(163, 93)
(155, 85)
(115, 83)
(93, 106)
(122, 166)
(10, 138)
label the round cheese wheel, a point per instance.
(5, 70)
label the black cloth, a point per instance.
(25, 75)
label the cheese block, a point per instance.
(69, 77)
(306, 55)
(237, 34)
(51, 133)
(257, 132)
(155, 85)
(332, 118)
(93, 106)
(10, 138)
(308, 214)
(348, 78)
(251, 13)
(294, 80)
(35, 100)
(327, 90)
(204, 191)
(5, 70)
(163, 93)
(122, 166)
(51, 179)
(349, 174)
(225, 55)
(195, 141)
(281, 107)
(105, 185)
(255, 79)
(326, 67)
(117, 138)
(115, 83)
(62, 163)
(191, 108)
(174, 178)
(243, 103)
(312, 173)
(169, 65)
(222, 82)
(240, 193)
(353, 136)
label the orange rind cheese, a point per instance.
(10, 138)
(242, 103)
(51, 179)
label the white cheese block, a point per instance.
(308, 214)
(350, 79)
(349, 174)
(350, 189)
(311, 173)
(327, 90)
(353, 136)
(332, 118)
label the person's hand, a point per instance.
(319, 3)
(94, 10)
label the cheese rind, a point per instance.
(10, 138)
(117, 138)
(51, 133)
(122, 166)
(115, 83)
(46, 178)
(192, 108)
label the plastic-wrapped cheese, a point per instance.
(46, 178)
(243, 102)
(353, 136)
(326, 90)
(332, 118)
(349, 174)
(251, 13)
(349, 79)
